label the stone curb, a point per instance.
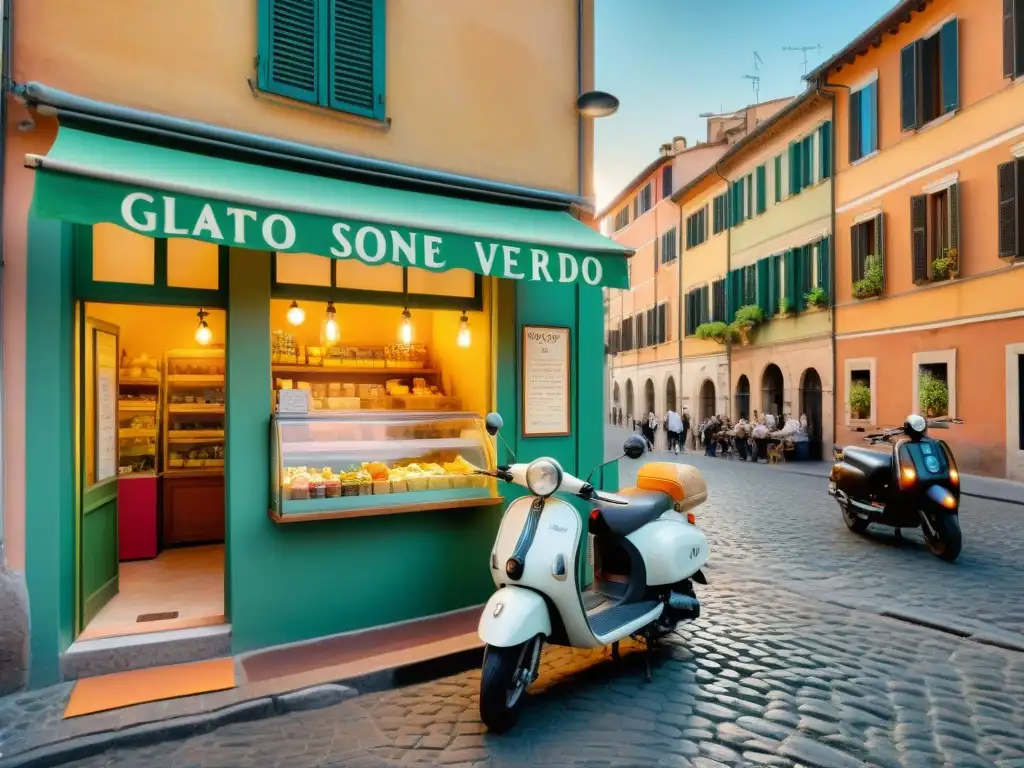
(260, 708)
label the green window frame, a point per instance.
(795, 168)
(762, 189)
(330, 53)
(825, 150)
(778, 178)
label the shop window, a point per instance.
(861, 395)
(455, 282)
(192, 264)
(355, 275)
(935, 234)
(122, 256)
(930, 77)
(303, 269)
(863, 135)
(935, 383)
(324, 52)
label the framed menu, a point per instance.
(105, 364)
(546, 379)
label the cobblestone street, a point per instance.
(774, 673)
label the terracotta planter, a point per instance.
(744, 336)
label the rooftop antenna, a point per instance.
(803, 49)
(755, 80)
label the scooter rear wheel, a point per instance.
(506, 674)
(854, 523)
(948, 541)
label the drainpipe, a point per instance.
(8, 59)
(579, 90)
(819, 89)
(728, 266)
(681, 324)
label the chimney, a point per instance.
(678, 144)
(665, 150)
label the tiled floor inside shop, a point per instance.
(189, 581)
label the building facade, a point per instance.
(928, 316)
(193, 156)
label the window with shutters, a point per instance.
(1013, 39)
(749, 277)
(697, 228)
(863, 133)
(626, 338)
(762, 189)
(651, 324)
(935, 234)
(866, 242)
(324, 52)
(668, 246)
(778, 178)
(622, 218)
(639, 330)
(805, 268)
(698, 309)
(666, 181)
(1011, 209)
(930, 77)
(825, 151)
(644, 198)
(720, 208)
(661, 315)
(718, 301)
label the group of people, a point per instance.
(677, 427)
(749, 438)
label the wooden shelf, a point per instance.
(125, 381)
(194, 435)
(352, 370)
(192, 471)
(141, 406)
(130, 432)
(214, 408)
(195, 378)
(398, 509)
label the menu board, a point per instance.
(545, 381)
(293, 401)
(105, 364)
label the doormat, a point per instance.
(165, 616)
(142, 686)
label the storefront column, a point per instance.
(247, 450)
(50, 438)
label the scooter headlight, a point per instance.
(543, 477)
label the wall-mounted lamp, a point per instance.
(594, 104)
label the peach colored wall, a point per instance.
(979, 444)
(455, 102)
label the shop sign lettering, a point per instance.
(219, 222)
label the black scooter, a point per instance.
(916, 483)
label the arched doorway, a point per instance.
(707, 399)
(771, 390)
(630, 410)
(743, 398)
(649, 398)
(810, 406)
(670, 395)
(616, 405)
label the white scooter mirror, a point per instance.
(493, 422)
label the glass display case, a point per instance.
(356, 463)
(194, 412)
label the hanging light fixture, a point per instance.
(463, 337)
(203, 333)
(296, 314)
(330, 333)
(405, 329)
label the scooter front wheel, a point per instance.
(948, 541)
(506, 674)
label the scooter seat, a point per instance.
(643, 507)
(874, 464)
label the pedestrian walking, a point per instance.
(649, 428)
(674, 428)
(686, 429)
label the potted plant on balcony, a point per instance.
(873, 282)
(932, 395)
(946, 266)
(716, 331)
(816, 298)
(860, 400)
(785, 308)
(747, 318)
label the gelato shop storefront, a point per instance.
(258, 392)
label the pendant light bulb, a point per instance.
(296, 314)
(463, 337)
(405, 329)
(203, 333)
(330, 333)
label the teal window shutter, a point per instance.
(730, 296)
(789, 261)
(949, 53)
(825, 149)
(807, 155)
(825, 266)
(794, 168)
(763, 296)
(356, 63)
(778, 178)
(750, 195)
(289, 49)
(762, 188)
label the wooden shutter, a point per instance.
(825, 265)
(949, 61)
(662, 323)
(795, 167)
(289, 49)
(807, 155)
(1009, 210)
(953, 225)
(790, 277)
(919, 237)
(798, 261)
(854, 128)
(1010, 68)
(910, 92)
(879, 244)
(856, 257)
(356, 62)
(778, 178)
(763, 299)
(762, 188)
(825, 149)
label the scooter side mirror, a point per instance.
(493, 422)
(634, 447)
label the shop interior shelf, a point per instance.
(354, 370)
(141, 406)
(129, 432)
(315, 454)
(183, 471)
(195, 378)
(195, 435)
(297, 511)
(196, 408)
(127, 381)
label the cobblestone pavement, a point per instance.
(763, 679)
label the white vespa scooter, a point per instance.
(647, 553)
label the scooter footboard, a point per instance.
(512, 616)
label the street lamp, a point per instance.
(594, 104)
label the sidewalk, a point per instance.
(976, 486)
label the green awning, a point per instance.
(89, 178)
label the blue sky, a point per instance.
(670, 60)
